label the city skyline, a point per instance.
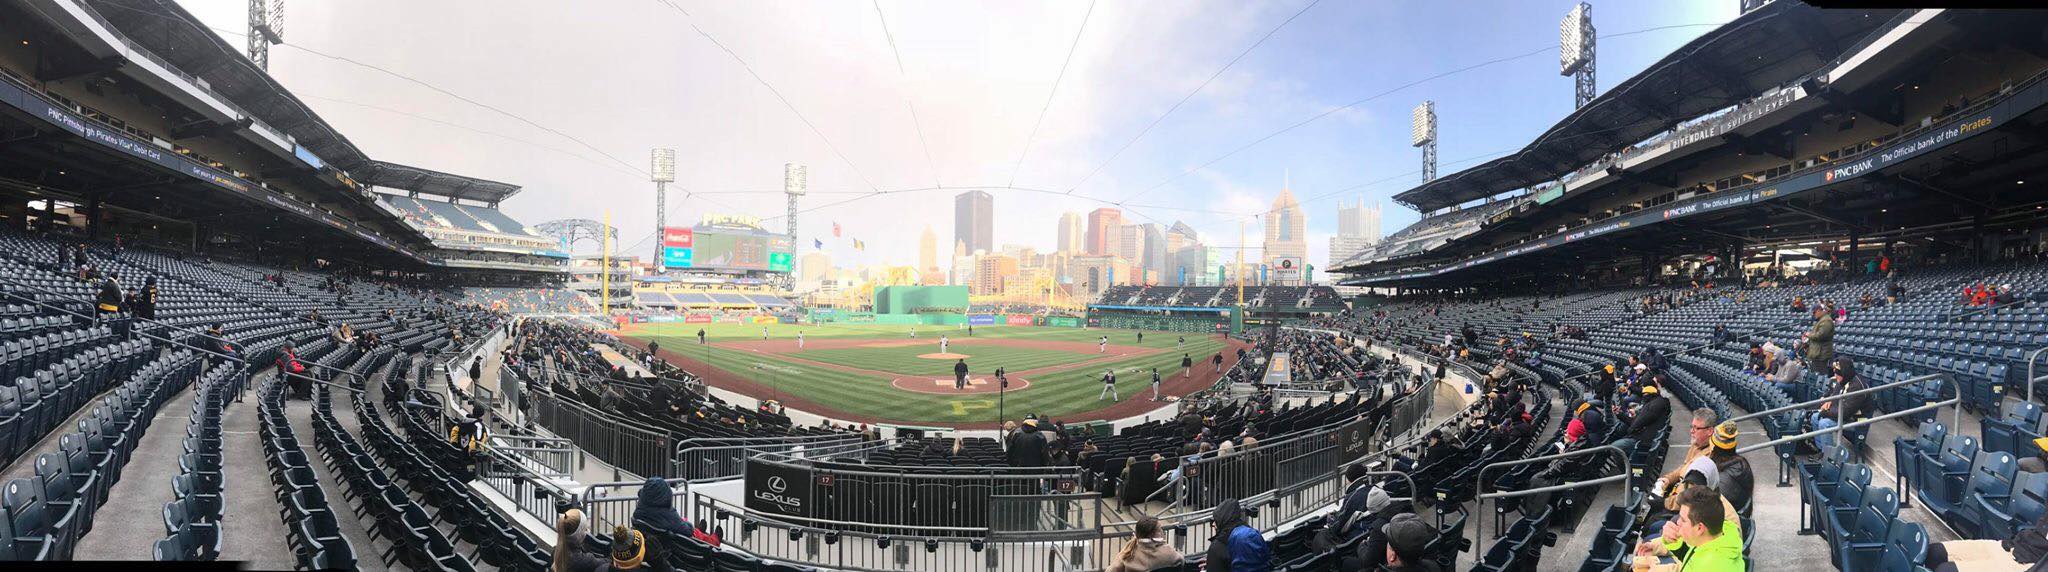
(869, 168)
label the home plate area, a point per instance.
(944, 385)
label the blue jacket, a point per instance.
(1248, 551)
(657, 509)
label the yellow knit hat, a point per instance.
(1724, 436)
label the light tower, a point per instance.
(796, 181)
(663, 173)
(1575, 51)
(266, 27)
(1422, 133)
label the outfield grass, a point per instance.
(1062, 394)
(905, 360)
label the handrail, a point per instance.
(1479, 481)
(1930, 406)
(2031, 358)
(1841, 413)
(136, 331)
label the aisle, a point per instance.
(130, 522)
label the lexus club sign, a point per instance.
(776, 489)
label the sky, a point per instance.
(1051, 106)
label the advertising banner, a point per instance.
(776, 489)
(697, 319)
(1094, 322)
(1063, 321)
(1352, 439)
(788, 319)
(674, 257)
(660, 319)
(981, 320)
(765, 320)
(728, 320)
(1018, 319)
(677, 236)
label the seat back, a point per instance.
(2029, 498)
(1874, 518)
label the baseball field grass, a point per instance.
(879, 372)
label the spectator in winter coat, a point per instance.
(1654, 415)
(1237, 546)
(1026, 447)
(656, 513)
(1820, 342)
(1146, 550)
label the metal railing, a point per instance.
(1479, 481)
(701, 459)
(626, 446)
(555, 454)
(1841, 421)
(534, 493)
(2032, 357)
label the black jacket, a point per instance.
(1026, 448)
(1655, 415)
(109, 299)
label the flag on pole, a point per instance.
(818, 243)
(858, 245)
(835, 230)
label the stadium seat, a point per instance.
(1987, 492)
(2014, 429)
(2026, 505)
(1859, 543)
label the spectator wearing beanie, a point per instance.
(1737, 482)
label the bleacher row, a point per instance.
(442, 214)
(710, 299)
(1302, 298)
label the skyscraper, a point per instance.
(1286, 247)
(1358, 228)
(974, 218)
(1072, 232)
(928, 257)
(1358, 220)
(1104, 226)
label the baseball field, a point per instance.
(900, 374)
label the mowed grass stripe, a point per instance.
(1060, 394)
(982, 359)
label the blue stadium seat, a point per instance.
(2027, 504)
(1859, 543)
(1907, 453)
(1986, 495)
(1941, 481)
(2016, 428)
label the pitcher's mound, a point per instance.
(944, 356)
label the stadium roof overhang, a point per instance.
(431, 182)
(1771, 46)
(167, 30)
(38, 161)
(1975, 172)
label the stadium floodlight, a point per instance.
(663, 172)
(796, 179)
(1422, 133)
(1422, 128)
(664, 165)
(266, 28)
(1575, 53)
